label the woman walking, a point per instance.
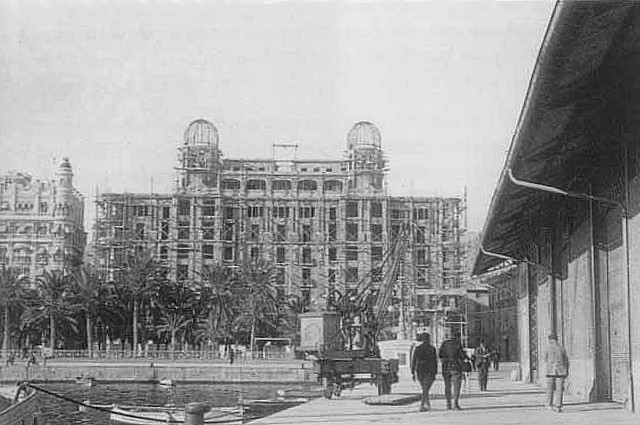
(424, 364)
(482, 357)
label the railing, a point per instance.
(18, 356)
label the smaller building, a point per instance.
(497, 321)
(41, 222)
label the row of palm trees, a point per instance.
(232, 304)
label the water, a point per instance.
(59, 412)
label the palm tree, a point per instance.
(214, 303)
(93, 293)
(54, 300)
(142, 273)
(256, 289)
(11, 286)
(172, 322)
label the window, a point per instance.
(281, 256)
(280, 276)
(395, 231)
(228, 253)
(376, 209)
(166, 212)
(420, 234)
(230, 184)
(182, 272)
(184, 207)
(332, 186)
(281, 233)
(333, 213)
(376, 255)
(306, 256)
(351, 253)
(281, 212)
(256, 185)
(42, 229)
(208, 230)
(118, 232)
(254, 233)
(164, 230)
(183, 230)
(352, 275)
(420, 214)
(43, 207)
(254, 212)
(306, 277)
(207, 252)
(306, 212)
(183, 251)
(255, 253)
(281, 185)
(140, 230)
(208, 209)
(397, 214)
(352, 231)
(376, 232)
(308, 185)
(140, 211)
(333, 232)
(421, 257)
(331, 276)
(228, 213)
(352, 210)
(227, 232)
(333, 253)
(306, 233)
(163, 253)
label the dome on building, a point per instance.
(363, 135)
(201, 132)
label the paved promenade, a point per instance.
(506, 402)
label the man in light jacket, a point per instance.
(557, 362)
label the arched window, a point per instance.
(308, 185)
(281, 185)
(256, 184)
(333, 186)
(230, 184)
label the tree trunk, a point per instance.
(173, 345)
(89, 335)
(135, 328)
(253, 334)
(52, 333)
(5, 332)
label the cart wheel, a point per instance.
(337, 390)
(384, 387)
(328, 389)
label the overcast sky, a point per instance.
(113, 84)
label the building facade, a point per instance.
(567, 207)
(323, 223)
(41, 222)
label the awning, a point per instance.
(573, 94)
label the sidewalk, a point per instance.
(506, 402)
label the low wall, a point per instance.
(293, 372)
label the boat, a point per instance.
(155, 415)
(85, 380)
(166, 382)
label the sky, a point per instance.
(113, 85)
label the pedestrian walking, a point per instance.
(482, 359)
(424, 367)
(496, 359)
(452, 356)
(557, 363)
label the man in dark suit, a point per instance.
(452, 356)
(424, 366)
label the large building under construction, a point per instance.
(324, 223)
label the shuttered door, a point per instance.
(618, 335)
